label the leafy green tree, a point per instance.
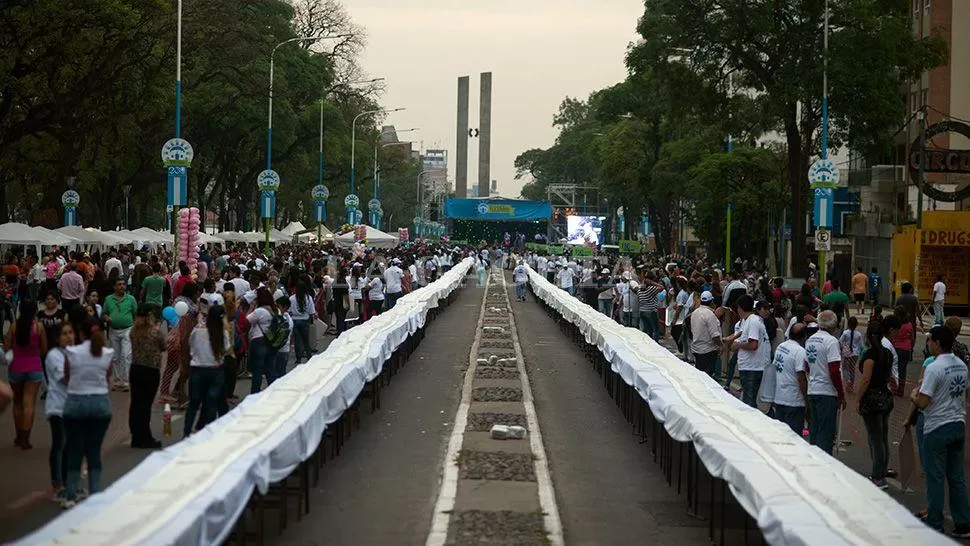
(772, 51)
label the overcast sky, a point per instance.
(539, 51)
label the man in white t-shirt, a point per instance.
(789, 362)
(565, 279)
(823, 364)
(939, 298)
(520, 275)
(113, 263)
(942, 397)
(751, 355)
(393, 278)
(625, 302)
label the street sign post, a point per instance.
(823, 240)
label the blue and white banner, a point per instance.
(70, 216)
(320, 212)
(824, 207)
(497, 209)
(177, 185)
(267, 204)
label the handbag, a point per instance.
(875, 401)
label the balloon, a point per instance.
(170, 315)
(181, 308)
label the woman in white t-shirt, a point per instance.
(208, 345)
(54, 368)
(375, 295)
(87, 409)
(302, 313)
(262, 357)
(355, 283)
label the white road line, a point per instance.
(547, 495)
(449, 481)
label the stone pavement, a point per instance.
(24, 504)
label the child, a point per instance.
(851, 342)
(283, 356)
(92, 301)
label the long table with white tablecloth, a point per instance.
(192, 492)
(797, 493)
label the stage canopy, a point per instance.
(500, 210)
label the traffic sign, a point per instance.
(823, 240)
(267, 204)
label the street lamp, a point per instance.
(351, 201)
(127, 190)
(374, 216)
(322, 99)
(268, 181)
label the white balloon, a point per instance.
(181, 308)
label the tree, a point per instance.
(771, 51)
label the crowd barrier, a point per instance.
(796, 493)
(195, 491)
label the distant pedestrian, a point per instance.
(789, 362)
(859, 283)
(851, 347)
(875, 286)
(939, 299)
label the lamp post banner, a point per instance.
(320, 212)
(177, 185)
(267, 204)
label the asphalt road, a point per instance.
(382, 488)
(608, 488)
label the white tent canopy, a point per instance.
(54, 238)
(149, 235)
(13, 233)
(91, 236)
(375, 238)
(293, 228)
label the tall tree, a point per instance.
(772, 50)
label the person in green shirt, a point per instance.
(153, 287)
(836, 300)
(119, 314)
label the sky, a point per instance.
(539, 52)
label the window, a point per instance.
(923, 97)
(912, 102)
(926, 6)
(916, 8)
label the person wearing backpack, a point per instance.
(262, 356)
(283, 355)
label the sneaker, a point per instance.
(881, 483)
(67, 504)
(961, 531)
(892, 473)
(60, 495)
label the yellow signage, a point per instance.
(501, 209)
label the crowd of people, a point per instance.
(798, 355)
(82, 325)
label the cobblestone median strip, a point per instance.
(482, 422)
(495, 356)
(497, 528)
(496, 394)
(485, 465)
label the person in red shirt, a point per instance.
(185, 277)
(903, 342)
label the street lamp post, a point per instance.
(127, 190)
(374, 212)
(268, 181)
(351, 201)
(322, 100)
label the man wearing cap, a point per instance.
(706, 332)
(393, 278)
(823, 386)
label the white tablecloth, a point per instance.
(192, 492)
(797, 493)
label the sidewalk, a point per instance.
(24, 504)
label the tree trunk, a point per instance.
(797, 183)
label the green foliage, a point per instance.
(87, 90)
